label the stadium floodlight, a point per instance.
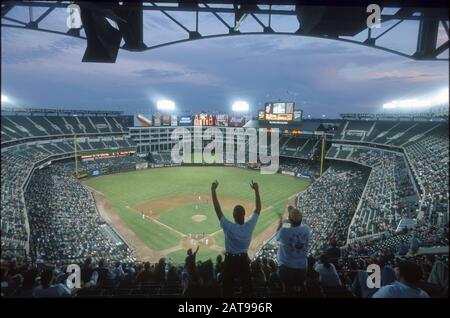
(442, 97)
(165, 104)
(406, 103)
(416, 103)
(5, 99)
(240, 106)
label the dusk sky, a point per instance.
(322, 76)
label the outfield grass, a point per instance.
(126, 190)
(181, 219)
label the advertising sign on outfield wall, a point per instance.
(222, 120)
(174, 120)
(166, 120)
(157, 120)
(143, 120)
(185, 121)
(237, 121)
(141, 165)
(204, 120)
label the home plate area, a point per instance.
(194, 240)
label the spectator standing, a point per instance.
(190, 258)
(293, 251)
(238, 236)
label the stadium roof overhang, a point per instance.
(309, 125)
(58, 111)
(336, 20)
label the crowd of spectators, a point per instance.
(161, 158)
(301, 167)
(345, 267)
(429, 161)
(111, 165)
(330, 274)
(344, 208)
(389, 195)
(65, 225)
(18, 161)
(329, 204)
(16, 168)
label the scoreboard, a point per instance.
(279, 111)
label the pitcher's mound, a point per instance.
(199, 217)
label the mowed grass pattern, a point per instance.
(126, 190)
(181, 218)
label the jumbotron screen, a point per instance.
(279, 111)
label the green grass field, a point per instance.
(127, 190)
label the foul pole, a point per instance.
(75, 154)
(322, 155)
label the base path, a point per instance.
(155, 207)
(108, 213)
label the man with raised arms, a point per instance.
(238, 236)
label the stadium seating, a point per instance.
(303, 148)
(20, 126)
(301, 167)
(393, 133)
(429, 162)
(161, 158)
(330, 202)
(389, 195)
(31, 140)
(377, 175)
(66, 226)
(424, 146)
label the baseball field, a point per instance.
(161, 212)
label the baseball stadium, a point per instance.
(103, 188)
(170, 210)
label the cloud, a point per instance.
(322, 76)
(406, 73)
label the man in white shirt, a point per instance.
(238, 236)
(410, 275)
(293, 251)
